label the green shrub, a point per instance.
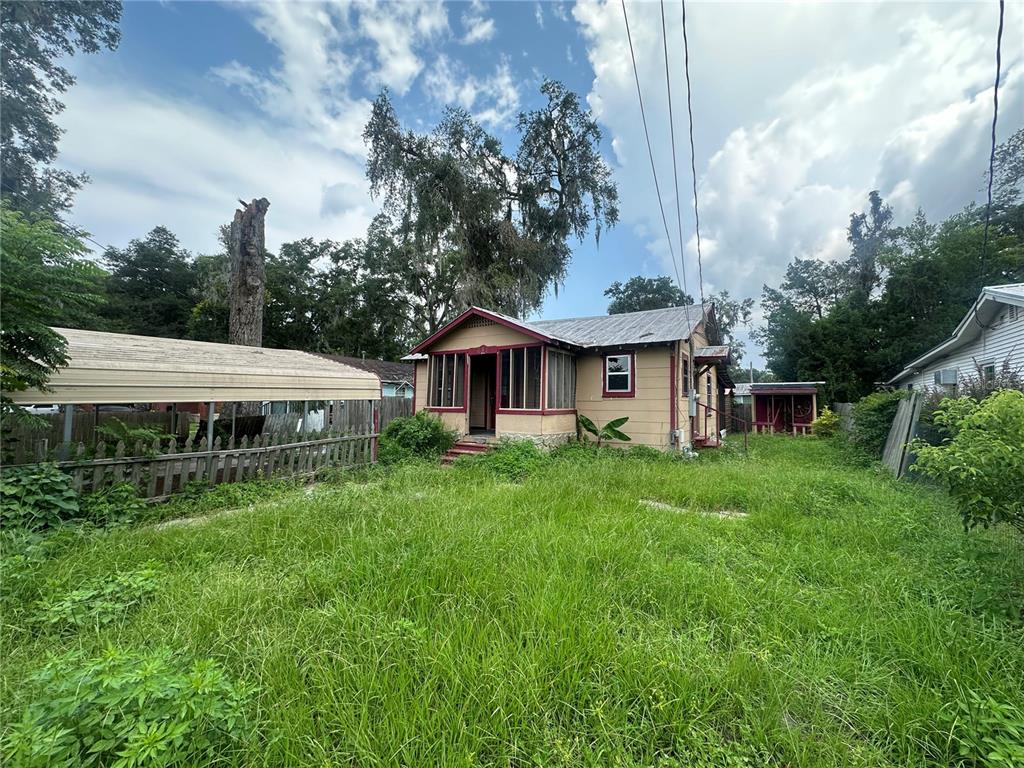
(127, 710)
(982, 463)
(872, 420)
(827, 423)
(407, 437)
(119, 503)
(511, 459)
(114, 431)
(98, 602)
(36, 496)
(985, 731)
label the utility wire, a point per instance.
(672, 134)
(693, 154)
(650, 155)
(992, 152)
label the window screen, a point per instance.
(561, 380)
(520, 378)
(447, 381)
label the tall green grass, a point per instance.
(429, 616)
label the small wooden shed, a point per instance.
(786, 407)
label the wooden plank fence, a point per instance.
(895, 456)
(27, 442)
(159, 470)
(393, 408)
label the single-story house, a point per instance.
(990, 336)
(786, 407)
(485, 373)
(395, 378)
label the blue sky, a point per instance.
(799, 109)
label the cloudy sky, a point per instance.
(799, 111)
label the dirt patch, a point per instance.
(724, 514)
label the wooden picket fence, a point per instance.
(162, 469)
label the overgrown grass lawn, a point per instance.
(430, 616)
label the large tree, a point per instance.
(37, 40)
(640, 293)
(44, 282)
(152, 287)
(489, 227)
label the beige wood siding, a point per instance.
(420, 396)
(535, 423)
(648, 410)
(480, 333)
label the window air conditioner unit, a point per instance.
(946, 376)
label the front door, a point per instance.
(483, 380)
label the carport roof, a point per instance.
(124, 368)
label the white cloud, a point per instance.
(538, 14)
(171, 162)
(479, 28)
(493, 100)
(398, 29)
(893, 98)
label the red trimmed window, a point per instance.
(520, 378)
(619, 376)
(447, 380)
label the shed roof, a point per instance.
(123, 368)
(979, 316)
(387, 371)
(784, 387)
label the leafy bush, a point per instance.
(609, 431)
(119, 503)
(827, 423)
(97, 602)
(124, 710)
(985, 731)
(115, 430)
(36, 497)
(407, 437)
(982, 463)
(872, 420)
(512, 459)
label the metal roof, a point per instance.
(721, 350)
(784, 387)
(387, 371)
(123, 368)
(648, 327)
(981, 313)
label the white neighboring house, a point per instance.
(991, 334)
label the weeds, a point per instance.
(452, 618)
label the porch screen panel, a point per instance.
(520, 378)
(506, 377)
(532, 380)
(460, 380)
(448, 381)
(561, 380)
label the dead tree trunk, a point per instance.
(248, 271)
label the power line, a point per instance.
(672, 133)
(693, 154)
(992, 152)
(650, 155)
